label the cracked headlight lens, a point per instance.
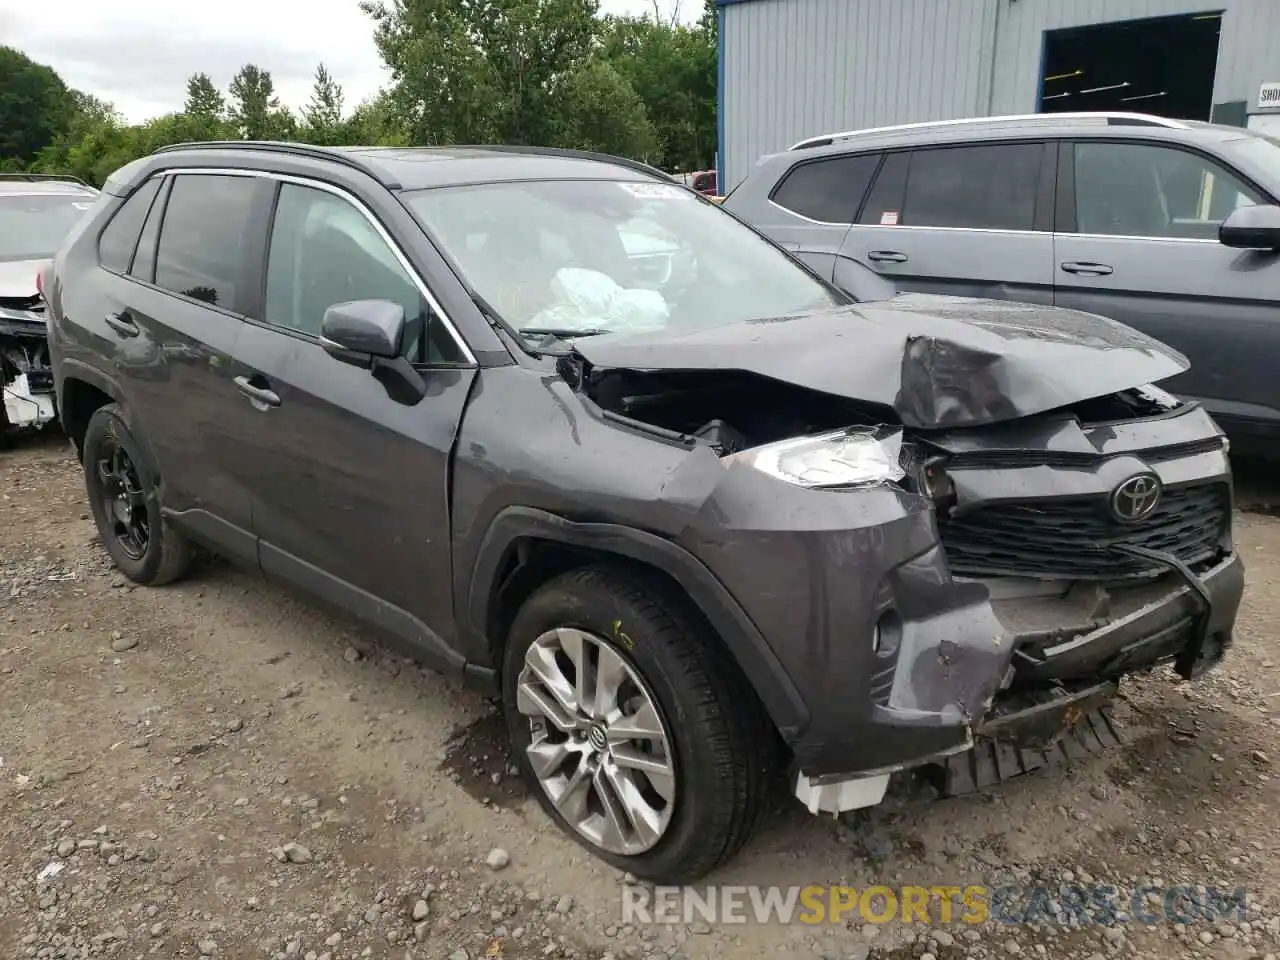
(844, 458)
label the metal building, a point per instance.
(791, 69)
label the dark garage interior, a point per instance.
(1164, 66)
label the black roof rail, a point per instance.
(342, 156)
(568, 154)
(43, 177)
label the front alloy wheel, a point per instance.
(598, 745)
(632, 725)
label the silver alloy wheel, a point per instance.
(599, 747)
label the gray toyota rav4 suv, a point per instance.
(1169, 226)
(695, 523)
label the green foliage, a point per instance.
(550, 72)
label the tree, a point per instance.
(598, 110)
(673, 69)
(255, 109)
(35, 107)
(322, 116)
(205, 108)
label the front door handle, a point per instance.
(1086, 268)
(122, 324)
(887, 256)
(260, 397)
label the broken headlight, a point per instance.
(844, 458)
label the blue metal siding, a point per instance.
(792, 69)
(795, 68)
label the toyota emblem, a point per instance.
(1136, 498)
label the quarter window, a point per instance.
(325, 251)
(116, 244)
(1146, 190)
(975, 187)
(828, 190)
(204, 238)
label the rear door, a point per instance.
(173, 317)
(1137, 242)
(812, 207)
(972, 220)
(350, 488)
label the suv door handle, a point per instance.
(887, 256)
(257, 395)
(122, 324)
(1087, 268)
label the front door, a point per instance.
(970, 221)
(350, 488)
(1140, 246)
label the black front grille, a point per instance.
(1069, 538)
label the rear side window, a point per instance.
(884, 205)
(204, 237)
(827, 190)
(979, 188)
(118, 240)
(144, 258)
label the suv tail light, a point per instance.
(40, 282)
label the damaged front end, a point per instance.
(25, 374)
(954, 563)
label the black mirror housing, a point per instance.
(1251, 228)
(359, 330)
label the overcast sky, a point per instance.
(138, 53)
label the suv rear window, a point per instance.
(988, 187)
(828, 190)
(203, 238)
(33, 225)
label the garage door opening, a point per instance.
(1165, 66)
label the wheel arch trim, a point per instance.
(756, 659)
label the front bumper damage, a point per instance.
(25, 375)
(909, 659)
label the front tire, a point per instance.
(635, 732)
(126, 503)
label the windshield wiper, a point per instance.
(561, 333)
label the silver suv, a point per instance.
(1169, 226)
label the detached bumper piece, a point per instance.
(1012, 742)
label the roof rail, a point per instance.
(343, 157)
(42, 177)
(1109, 118)
(571, 154)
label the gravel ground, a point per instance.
(218, 769)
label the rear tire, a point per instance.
(126, 503)
(716, 740)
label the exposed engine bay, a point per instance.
(25, 374)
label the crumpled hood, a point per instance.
(18, 278)
(937, 362)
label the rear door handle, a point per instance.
(260, 397)
(122, 324)
(887, 256)
(1086, 268)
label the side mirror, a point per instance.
(1251, 228)
(363, 328)
(368, 334)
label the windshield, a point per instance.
(33, 225)
(599, 256)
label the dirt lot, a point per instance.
(162, 749)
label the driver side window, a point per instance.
(325, 251)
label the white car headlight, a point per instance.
(843, 458)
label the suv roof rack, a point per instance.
(344, 157)
(571, 154)
(43, 177)
(349, 156)
(1114, 119)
